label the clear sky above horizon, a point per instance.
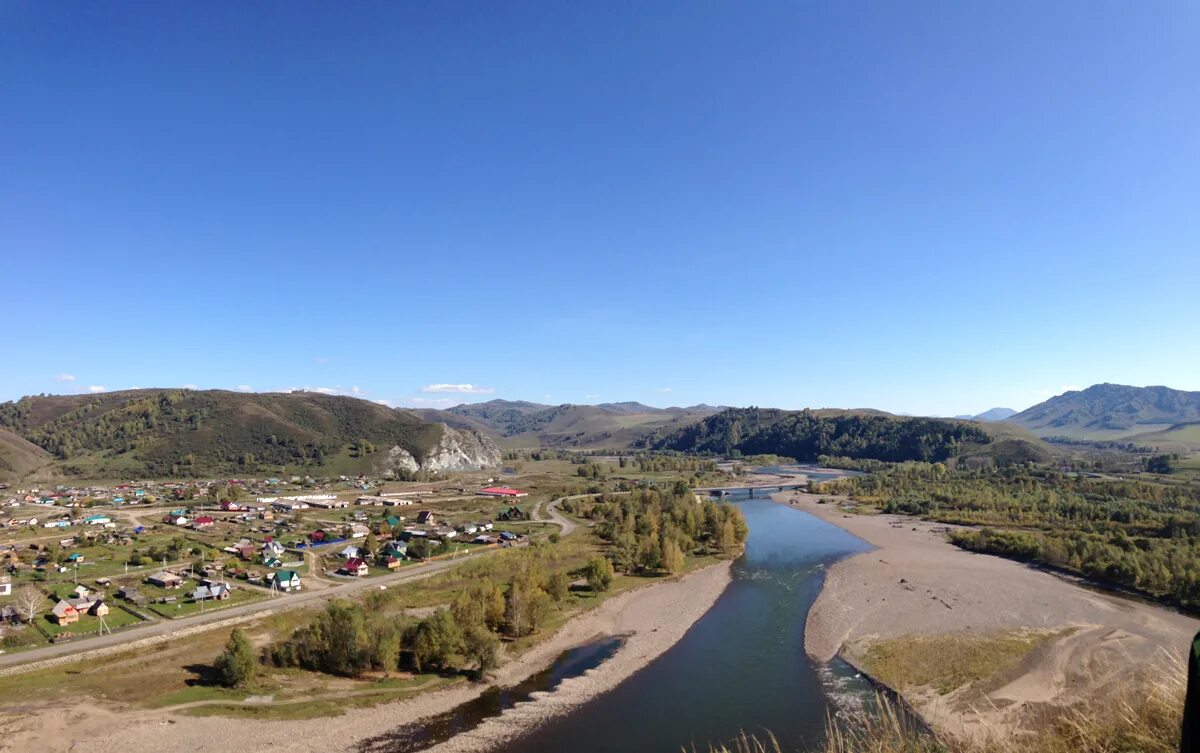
(924, 207)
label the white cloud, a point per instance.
(388, 403)
(356, 390)
(461, 389)
(135, 387)
(97, 388)
(190, 387)
(65, 377)
(663, 389)
(327, 390)
(245, 388)
(590, 397)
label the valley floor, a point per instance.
(653, 618)
(1035, 641)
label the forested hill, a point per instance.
(160, 432)
(807, 434)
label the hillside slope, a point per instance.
(806, 435)
(1180, 438)
(161, 432)
(19, 457)
(1111, 411)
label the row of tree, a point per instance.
(1135, 534)
(513, 596)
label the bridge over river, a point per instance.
(751, 491)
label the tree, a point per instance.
(649, 555)
(672, 558)
(385, 644)
(479, 604)
(437, 639)
(237, 666)
(493, 606)
(347, 645)
(727, 537)
(558, 585)
(371, 544)
(540, 607)
(599, 574)
(483, 647)
(30, 601)
(418, 548)
(1160, 464)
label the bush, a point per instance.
(238, 665)
(599, 574)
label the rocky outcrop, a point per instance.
(456, 450)
(460, 450)
(400, 459)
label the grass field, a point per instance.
(947, 662)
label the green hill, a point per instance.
(1181, 438)
(19, 457)
(165, 432)
(1010, 445)
(806, 435)
(1111, 411)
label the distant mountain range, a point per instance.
(995, 414)
(178, 432)
(523, 424)
(1112, 411)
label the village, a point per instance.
(87, 560)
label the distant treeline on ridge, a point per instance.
(806, 435)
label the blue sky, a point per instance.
(921, 207)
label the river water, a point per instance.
(741, 667)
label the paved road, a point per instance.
(279, 604)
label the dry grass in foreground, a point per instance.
(1142, 720)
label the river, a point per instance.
(741, 667)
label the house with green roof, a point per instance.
(285, 580)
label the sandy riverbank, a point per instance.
(653, 618)
(916, 583)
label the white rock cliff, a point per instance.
(455, 451)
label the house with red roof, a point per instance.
(501, 491)
(354, 566)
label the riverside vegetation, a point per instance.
(511, 597)
(1141, 535)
